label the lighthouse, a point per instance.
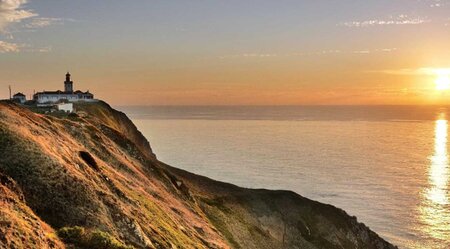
(68, 84)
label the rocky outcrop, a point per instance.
(93, 174)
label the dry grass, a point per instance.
(19, 226)
(116, 189)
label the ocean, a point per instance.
(386, 165)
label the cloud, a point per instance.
(362, 52)
(31, 49)
(416, 71)
(433, 71)
(44, 49)
(249, 55)
(438, 3)
(398, 20)
(317, 53)
(15, 11)
(11, 11)
(40, 22)
(6, 47)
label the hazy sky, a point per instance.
(234, 52)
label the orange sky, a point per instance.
(234, 53)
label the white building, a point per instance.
(67, 95)
(66, 107)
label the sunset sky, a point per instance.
(234, 52)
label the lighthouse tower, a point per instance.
(68, 84)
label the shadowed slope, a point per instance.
(276, 219)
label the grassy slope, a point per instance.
(125, 195)
(19, 226)
(121, 189)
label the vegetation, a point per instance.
(95, 239)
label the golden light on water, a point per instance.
(439, 165)
(435, 212)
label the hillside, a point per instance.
(91, 180)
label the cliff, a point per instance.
(90, 180)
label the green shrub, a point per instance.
(72, 235)
(95, 239)
(102, 240)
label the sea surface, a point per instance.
(387, 165)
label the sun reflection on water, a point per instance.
(439, 166)
(435, 211)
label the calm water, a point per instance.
(388, 166)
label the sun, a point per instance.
(442, 82)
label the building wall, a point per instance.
(20, 99)
(44, 98)
(65, 107)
